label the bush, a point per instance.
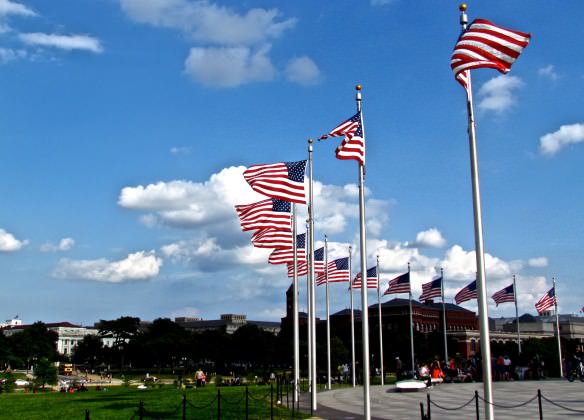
(7, 382)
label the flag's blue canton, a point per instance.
(552, 292)
(436, 284)
(301, 241)
(281, 205)
(342, 263)
(319, 254)
(372, 272)
(296, 170)
(472, 286)
(359, 131)
(509, 289)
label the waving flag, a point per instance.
(547, 301)
(353, 145)
(303, 266)
(285, 256)
(504, 295)
(467, 293)
(400, 284)
(371, 279)
(432, 289)
(485, 45)
(272, 238)
(266, 214)
(338, 271)
(284, 181)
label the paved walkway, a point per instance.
(387, 403)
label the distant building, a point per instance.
(231, 323)
(68, 335)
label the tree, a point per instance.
(35, 342)
(89, 351)
(45, 373)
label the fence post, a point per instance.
(87, 417)
(477, 403)
(218, 403)
(246, 402)
(141, 410)
(428, 415)
(539, 403)
(271, 401)
(184, 407)
(422, 416)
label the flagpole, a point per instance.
(517, 315)
(558, 328)
(308, 309)
(311, 276)
(479, 251)
(352, 322)
(380, 325)
(364, 303)
(328, 315)
(444, 315)
(411, 326)
(295, 309)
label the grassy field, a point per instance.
(120, 402)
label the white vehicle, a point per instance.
(21, 382)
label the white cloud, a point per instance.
(10, 54)
(8, 243)
(552, 143)
(181, 150)
(8, 7)
(189, 204)
(548, 71)
(497, 94)
(430, 238)
(381, 2)
(229, 66)
(64, 42)
(210, 23)
(137, 266)
(303, 70)
(64, 244)
(538, 262)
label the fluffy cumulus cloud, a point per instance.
(497, 94)
(229, 66)
(303, 70)
(538, 262)
(233, 47)
(65, 244)
(552, 143)
(9, 243)
(135, 267)
(63, 42)
(431, 238)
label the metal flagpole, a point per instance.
(311, 278)
(328, 315)
(444, 314)
(411, 327)
(517, 315)
(364, 303)
(558, 329)
(295, 309)
(380, 325)
(352, 322)
(308, 309)
(479, 250)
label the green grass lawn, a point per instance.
(122, 403)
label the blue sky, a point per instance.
(126, 126)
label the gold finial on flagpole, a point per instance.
(358, 87)
(462, 7)
(310, 141)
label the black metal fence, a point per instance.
(427, 415)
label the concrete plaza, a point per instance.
(388, 403)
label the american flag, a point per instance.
(467, 293)
(338, 271)
(353, 145)
(547, 301)
(265, 214)
(400, 284)
(504, 295)
(485, 45)
(432, 289)
(278, 180)
(303, 266)
(272, 238)
(285, 256)
(371, 279)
